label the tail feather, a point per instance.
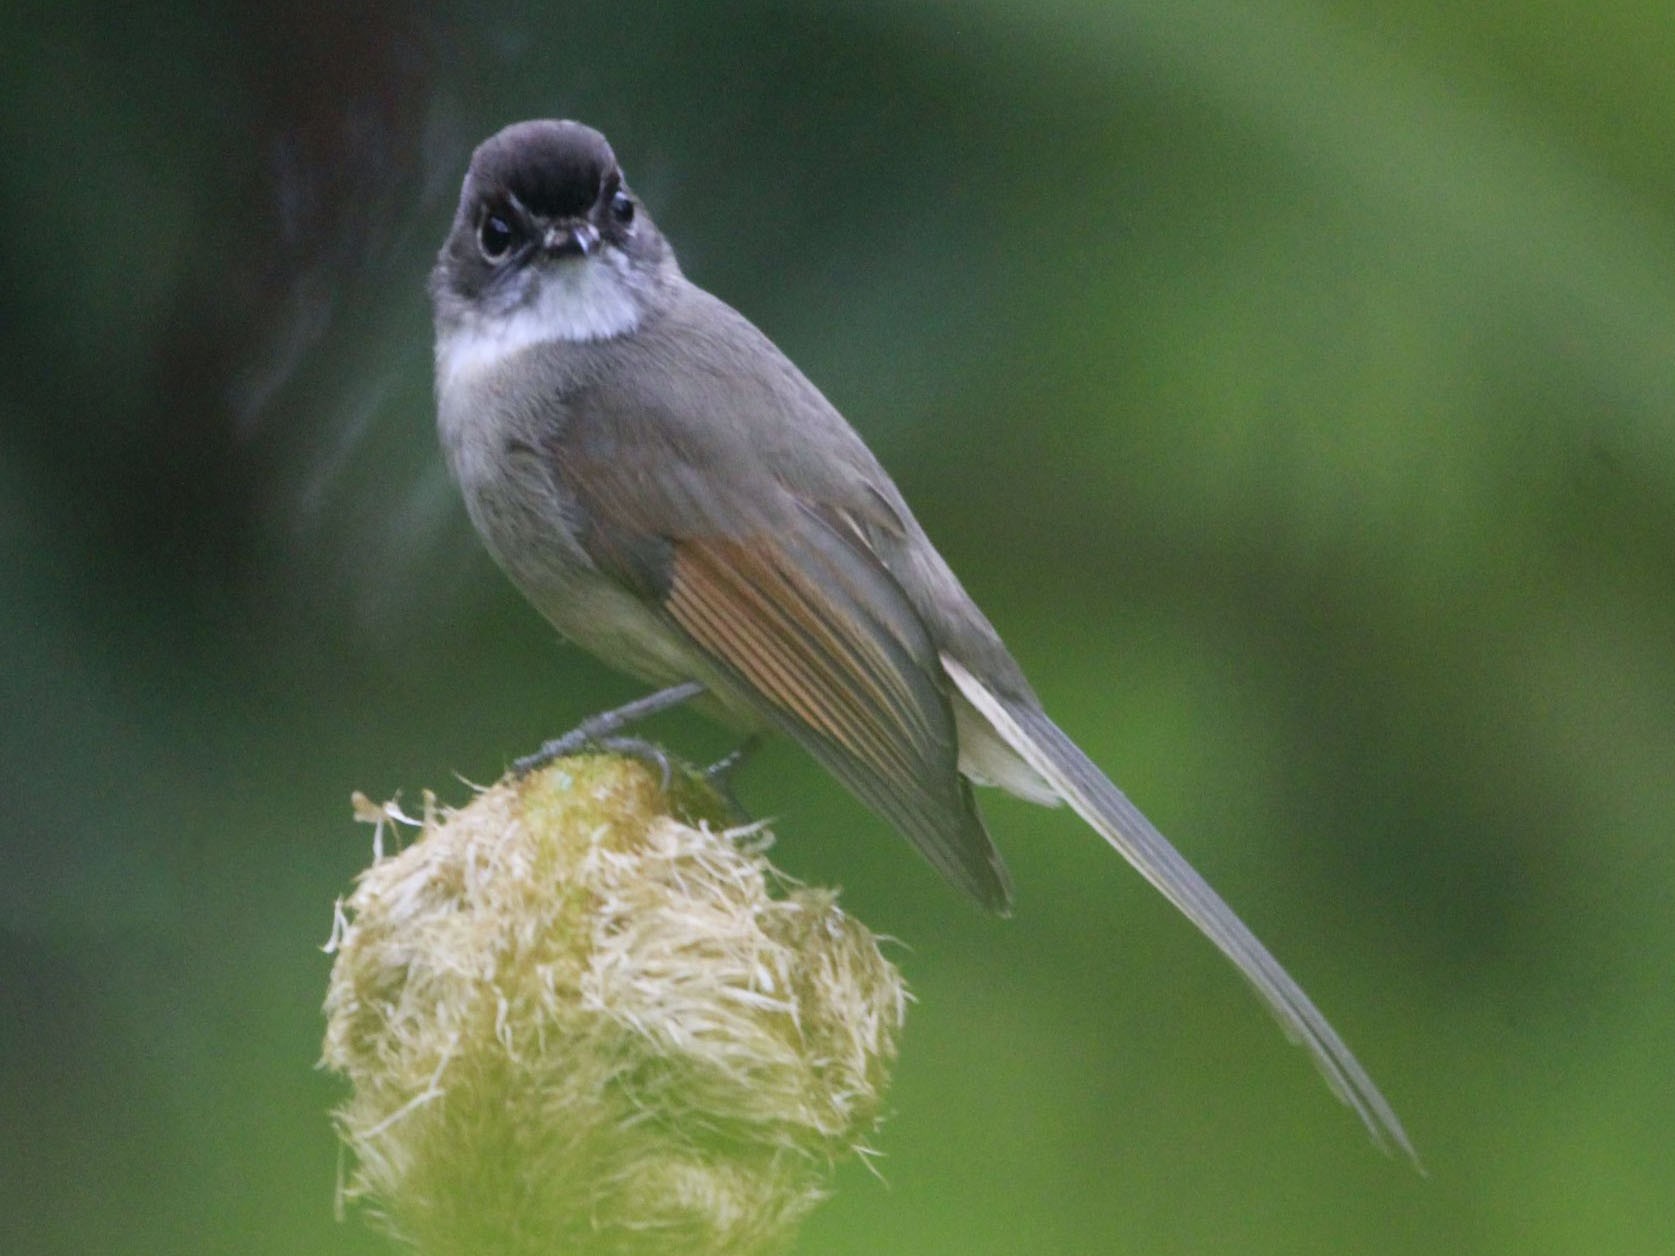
(1099, 802)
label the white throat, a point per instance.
(591, 299)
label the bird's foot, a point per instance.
(719, 776)
(643, 752)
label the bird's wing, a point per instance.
(798, 616)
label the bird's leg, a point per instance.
(600, 730)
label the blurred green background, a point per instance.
(1292, 383)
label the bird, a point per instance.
(675, 496)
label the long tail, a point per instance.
(1093, 797)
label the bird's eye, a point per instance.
(495, 237)
(622, 208)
